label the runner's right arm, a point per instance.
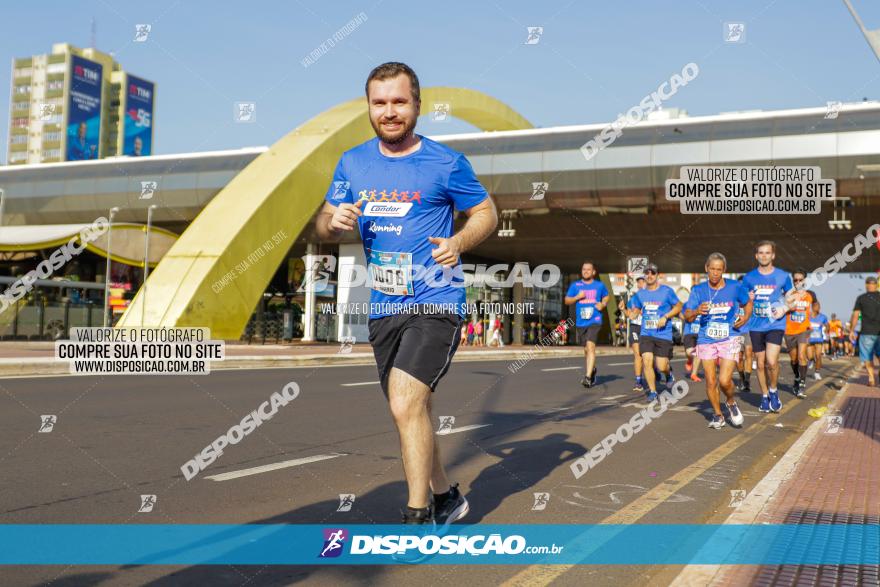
(573, 299)
(334, 221)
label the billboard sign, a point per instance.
(84, 110)
(138, 125)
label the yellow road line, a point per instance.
(540, 574)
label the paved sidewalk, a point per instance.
(830, 476)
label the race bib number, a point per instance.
(762, 309)
(651, 324)
(798, 316)
(718, 330)
(586, 312)
(391, 273)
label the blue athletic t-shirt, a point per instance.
(638, 319)
(769, 292)
(717, 325)
(654, 304)
(585, 309)
(406, 200)
(740, 311)
(691, 327)
(818, 328)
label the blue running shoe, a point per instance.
(652, 396)
(775, 404)
(765, 404)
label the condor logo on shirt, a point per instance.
(388, 209)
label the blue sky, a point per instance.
(594, 60)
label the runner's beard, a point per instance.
(394, 139)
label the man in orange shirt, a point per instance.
(797, 330)
(835, 334)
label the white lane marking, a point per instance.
(462, 429)
(611, 397)
(272, 467)
(361, 383)
(552, 410)
(563, 368)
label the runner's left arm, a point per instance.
(745, 300)
(603, 301)
(467, 194)
(857, 311)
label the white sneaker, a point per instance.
(736, 417)
(754, 365)
(717, 422)
(817, 376)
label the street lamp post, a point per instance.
(2, 204)
(113, 212)
(146, 262)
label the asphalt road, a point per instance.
(119, 437)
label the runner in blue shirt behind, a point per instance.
(635, 325)
(818, 335)
(590, 296)
(714, 304)
(744, 364)
(399, 190)
(656, 304)
(690, 331)
(767, 325)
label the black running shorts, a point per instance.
(690, 341)
(760, 340)
(421, 345)
(656, 346)
(588, 334)
(634, 331)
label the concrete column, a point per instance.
(309, 278)
(516, 336)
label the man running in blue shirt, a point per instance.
(590, 297)
(690, 334)
(818, 336)
(767, 325)
(635, 326)
(656, 304)
(715, 304)
(744, 364)
(399, 190)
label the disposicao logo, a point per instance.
(334, 541)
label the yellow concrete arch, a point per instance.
(278, 191)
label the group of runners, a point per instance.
(727, 325)
(399, 192)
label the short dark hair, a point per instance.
(716, 257)
(760, 244)
(800, 271)
(393, 69)
(595, 268)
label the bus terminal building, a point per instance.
(233, 245)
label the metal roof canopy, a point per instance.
(127, 244)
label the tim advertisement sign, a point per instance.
(84, 110)
(138, 127)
